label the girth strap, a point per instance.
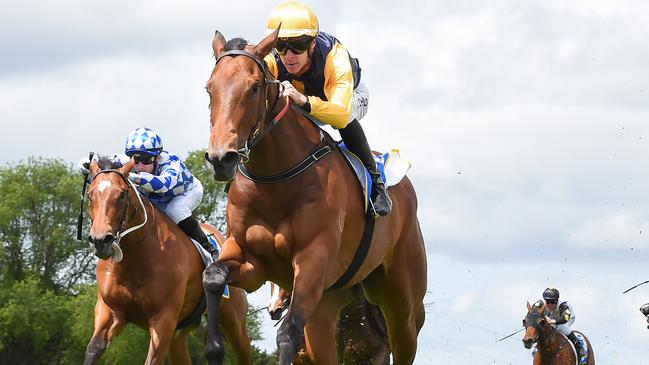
(359, 257)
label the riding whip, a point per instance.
(635, 286)
(508, 336)
(83, 195)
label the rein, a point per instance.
(120, 234)
(255, 136)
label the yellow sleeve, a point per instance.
(338, 87)
(271, 63)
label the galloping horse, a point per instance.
(298, 221)
(361, 336)
(553, 347)
(156, 283)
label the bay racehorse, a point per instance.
(149, 274)
(297, 217)
(361, 335)
(553, 348)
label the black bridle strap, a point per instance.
(290, 173)
(253, 138)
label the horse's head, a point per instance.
(108, 204)
(279, 301)
(240, 100)
(534, 324)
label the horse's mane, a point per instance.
(105, 162)
(235, 44)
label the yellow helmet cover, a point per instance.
(297, 20)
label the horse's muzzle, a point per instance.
(275, 314)
(103, 245)
(528, 343)
(223, 165)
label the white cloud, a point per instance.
(618, 230)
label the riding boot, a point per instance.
(191, 227)
(581, 351)
(645, 311)
(356, 142)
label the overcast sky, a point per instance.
(526, 123)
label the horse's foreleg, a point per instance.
(214, 280)
(107, 326)
(178, 350)
(308, 285)
(320, 330)
(161, 331)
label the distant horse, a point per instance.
(296, 218)
(156, 283)
(553, 347)
(361, 336)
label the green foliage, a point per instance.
(212, 208)
(31, 330)
(39, 203)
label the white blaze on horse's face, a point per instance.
(275, 300)
(103, 185)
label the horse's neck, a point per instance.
(549, 343)
(136, 216)
(292, 140)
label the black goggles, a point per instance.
(143, 159)
(551, 301)
(297, 46)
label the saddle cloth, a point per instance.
(392, 167)
(207, 258)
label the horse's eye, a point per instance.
(523, 323)
(123, 194)
(255, 88)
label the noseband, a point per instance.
(120, 234)
(255, 137)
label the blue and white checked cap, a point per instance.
(143, 140)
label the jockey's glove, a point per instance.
(134, 177)
(84, 166)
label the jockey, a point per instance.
(164, 179)
(562, 316)
(321, 77)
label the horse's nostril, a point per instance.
(207, 158)
(229, 159)
(109, 238)
(90, 239)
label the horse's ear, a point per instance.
(94, 168)
(263, 48)
(218, 44)
(529, 306)
(127, 167)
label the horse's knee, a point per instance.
(214, 277)
(95, 349)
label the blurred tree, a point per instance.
(39, 203)
(212, 210)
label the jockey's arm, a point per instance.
(160, 184)
(338, 87)
(564, 313)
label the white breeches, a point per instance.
(182, 206)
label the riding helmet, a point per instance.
(143, 140)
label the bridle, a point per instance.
(254, 137)
(121, 232)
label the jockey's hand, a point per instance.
(551, 320)
(84, 166)
(290, 91)
(134, 177)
